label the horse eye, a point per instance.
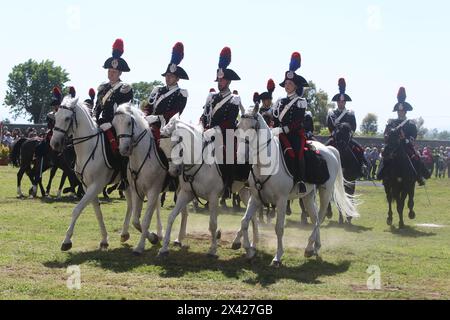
(129, 124)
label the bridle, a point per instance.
(131, 135)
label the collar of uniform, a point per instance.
(402, 119)
(340, 111)
(172, 87)
(225, 93)
(113, 84)
(292, 96)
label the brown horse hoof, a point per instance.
(66, 246)
(154, 239)
(236, 246)
(219, 235)
(276, 264)
(412, 215)
(124, 238)
(401, 225)
(104, 246)
(309, 254)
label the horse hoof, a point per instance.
(412, 215)
(330, 215)
(219, 235)
(319, 258)
(309, 254)
(304, 222)
(389, 221)
(66, 246)
(401, 225)
(154, 239)
(276, 264)
(163, 255)
(124, 238)
(236, 246)
(104, 246)
(178, 244)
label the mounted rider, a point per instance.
(341, 116)
(109, 96)
(266, 99)
(408, 134)
(167, 101)
(289, 116)
(90, 102)
(221, 112)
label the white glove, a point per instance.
(278, 130)
(152, 119)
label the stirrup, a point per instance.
(302, 187)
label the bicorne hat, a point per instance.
(57, 97)
(270, 89)
(177, 57)
(402, 105)
(223, 72)
(341, 96)
(116, 61)
(294, 65)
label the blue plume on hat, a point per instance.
(296, 62)
(401, 96)
(225, 58)
(57, 93)
(177, 53)
(342, 85)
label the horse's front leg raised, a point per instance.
(252, 208)
(91, 193)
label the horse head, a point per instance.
(65, 120)
(343, 135)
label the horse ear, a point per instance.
(242, 109)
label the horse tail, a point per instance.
(344, 201)
(15, 152)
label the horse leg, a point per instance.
(19, 181)
(159, 227)
(213, 206)
(252, 207)
(49, 184)
(182, 201)
(125, 236)
(329, 211)
(412, 214)
(90, 195)
(288, 208)
(400, 207)
(389, 200)
(137, 210)
(61, 185)
(255, 231)
(152, 198)
(351, 191)
(314, 240)
(279, 229)
(98, 213)
(304, 214)
(182, 233)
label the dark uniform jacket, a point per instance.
(105, 108)
(225, 116)
(293, 119)
(333, 115)
(408, 130)
(308, 124)
(168, 106)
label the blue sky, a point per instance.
(377, 46)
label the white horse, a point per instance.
(146, 174)
(198, 179)
(73, 118)
(277, 188)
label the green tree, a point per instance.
(30, 87)
(142, 90)
(318, 105)
(369, 125)
(421, 130)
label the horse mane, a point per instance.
(137, 114)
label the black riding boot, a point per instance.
(123, 173)
(301, 175)
(421, 171)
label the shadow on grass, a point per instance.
(410, 232)
(351, 228)
(182, 262)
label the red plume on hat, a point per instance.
(57, 93)
(270, 86)
(401, 96)
(342, 85)
(212, 90)
(118, 48)
(235, 92)
(92, 93)
(72, 92)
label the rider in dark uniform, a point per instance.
(221, 111)
(342, 115)
(167, 101)
(408, 134)
(90, 102)
(289, 116)
(109, 96)
(267, 103)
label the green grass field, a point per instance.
(414, 262)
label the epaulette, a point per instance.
(102, 86)
(350, 112)
(308, 114)
(184, 93)
(125, 88)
